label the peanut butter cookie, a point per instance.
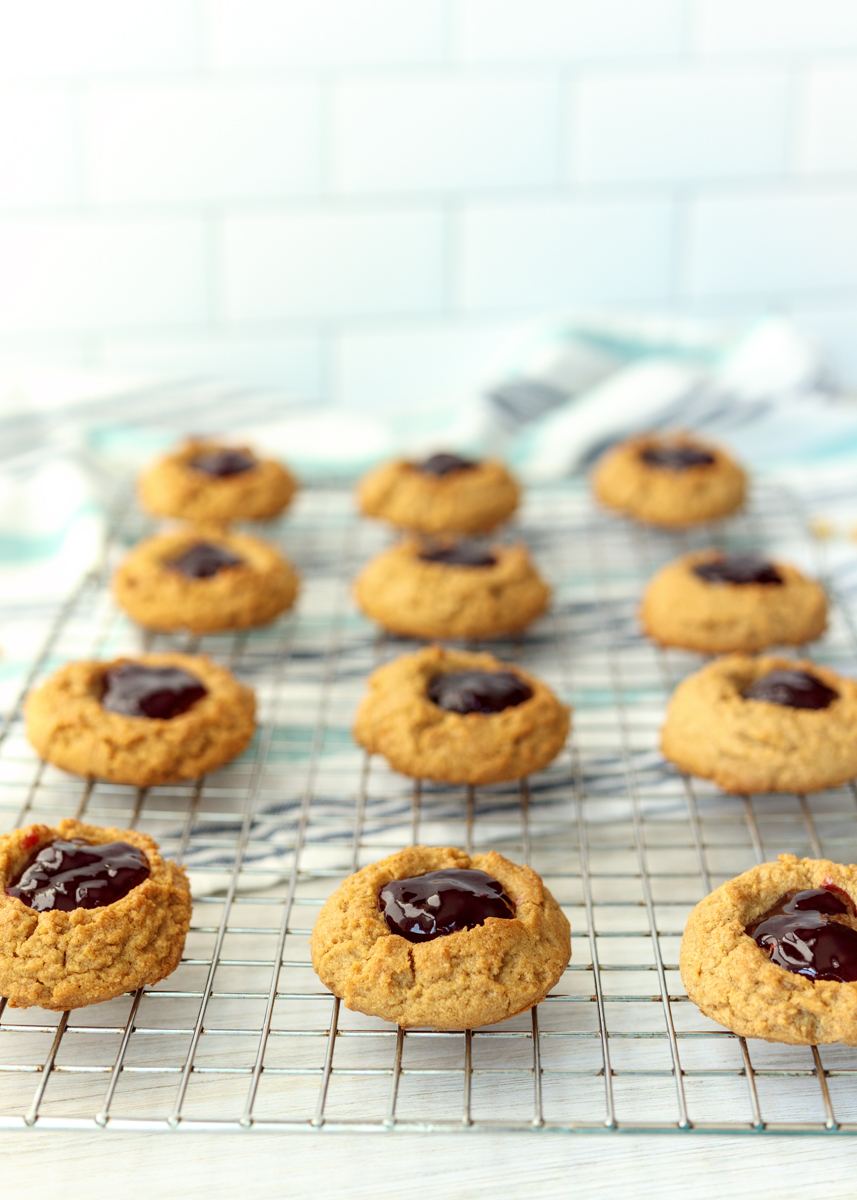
(442, 494)
(452, 589)
(714, 602)
(206, 481)
(764, 725)
(773, 953)
(144, 721)
(432, 936)
(86, 914)
(205, 580)
(460, 717)
(669, 479)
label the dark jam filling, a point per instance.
(677, 458)
(202, 560)
(445, 464)
(738, 568)
(793, 689)
(799, 935)
(222, 463)
(135, 690)
(459, 554)
(441, 902)
(478, 691)
(67, 875)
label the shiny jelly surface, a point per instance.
(67, 875)
(671, 457)
(202, 560)
(222, 463)
(136, 690)
(441, 902)
(478, 691)
(445, 464)
(799, 935)
(459, 554)
(738, 568)
(792, 689)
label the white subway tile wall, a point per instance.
(97, 38)
(201, 142)
(446, 135)
(568, 32)
(388, 368)
(796, 242)
(97, 273)
(676, 125)
(545, 253)
(827, 143)
(343, 34)
(332, 264)
(357, 200)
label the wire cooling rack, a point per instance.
(243, 1035)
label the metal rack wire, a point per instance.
(243, 1036)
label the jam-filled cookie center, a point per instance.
(65, 875)
(222, 463)
(738, 569)
(445, 464)
(478, 691)
(442, 902)
(792, 689)
(463, 553)
(670, 457)
(203, 560)
(136, 690)
(799, 935)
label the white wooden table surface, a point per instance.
(49, 1165)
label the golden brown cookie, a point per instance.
(734, 981)
(437, 496)
(61, 960)
(68, 724)
(715, 603)
(440, 597)
(459, 980)
(669, 479)
(208, 481)
(745, 744)
(399, 719)
(205, 580)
